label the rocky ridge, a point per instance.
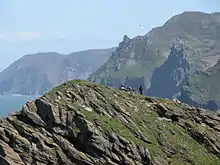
(87, 124)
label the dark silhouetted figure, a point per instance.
(141, 90)
(174, 118)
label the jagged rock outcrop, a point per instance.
(169, 78)
(86, 124)
(134, 58)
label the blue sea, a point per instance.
(10, 104)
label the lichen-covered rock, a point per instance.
(98, 125)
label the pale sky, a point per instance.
(30, 26)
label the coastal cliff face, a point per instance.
(81, 123)
(139, 57)
(36, 74)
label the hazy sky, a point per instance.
(29, 26)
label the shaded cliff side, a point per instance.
(168, 79)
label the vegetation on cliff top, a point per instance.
(85, 123)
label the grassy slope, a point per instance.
(165, 136)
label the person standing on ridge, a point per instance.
(141, 90)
